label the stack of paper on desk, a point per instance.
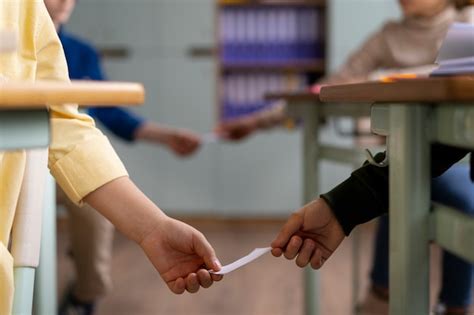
(456, 56)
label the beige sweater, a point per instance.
(408, 43)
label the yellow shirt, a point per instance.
(80, 156)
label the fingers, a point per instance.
(236, 129)
(187, 145)
(184, 142)
(206, 252)
(317, 260)
(291, 226)
(194, 282)
(178, 286)
(305, 253)
(216, 277)
(205, 279)
(277, 252)
(293, 247)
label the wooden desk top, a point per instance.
(293, 96)
(24, 95)
(446, 89)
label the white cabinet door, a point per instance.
(180, 90)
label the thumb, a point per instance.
(207, 253)
(291, 226)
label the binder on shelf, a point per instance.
(244, 94)
(261, 34)
(251, 39)
(270, 35)
(283, 35)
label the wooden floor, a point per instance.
(269, 286)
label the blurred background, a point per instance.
(205, 61)
(172, 47)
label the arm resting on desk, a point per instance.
(364, 195)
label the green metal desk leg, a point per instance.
(14, 135)
(310, 166)
(24, 279)
(45, 301)
(409, 210)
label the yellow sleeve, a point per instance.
(80, 157)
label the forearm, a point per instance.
(271, 117)
(364, 195)
(129, 210)
(151, 132)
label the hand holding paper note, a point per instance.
(256, 253)
(310, 235)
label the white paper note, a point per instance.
(256, 253)
(209, 138)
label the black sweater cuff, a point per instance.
(353, 203)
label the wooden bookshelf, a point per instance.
(302, 3)
(290, 67)
(293, 72)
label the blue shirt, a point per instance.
(84, 63)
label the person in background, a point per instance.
(410, 43)
(91, 235)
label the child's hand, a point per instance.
(312, 233)
(182, 142)
(182, 256)
(238, 129)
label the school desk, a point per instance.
(24, 124)
(413, 114)
(307, 107)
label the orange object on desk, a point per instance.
(398, 76)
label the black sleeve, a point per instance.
(364, 195)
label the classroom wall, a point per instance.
(261, 176)
(352, 21)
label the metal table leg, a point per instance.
(45, 301)
(24, 280)
(409, 210)
(310, 187)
